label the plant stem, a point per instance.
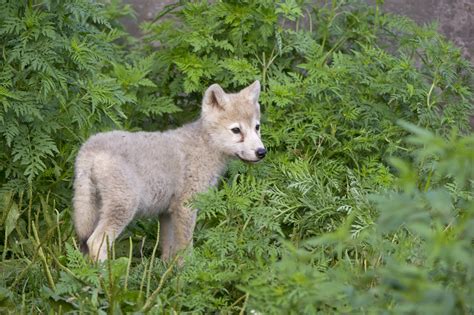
(428, 97)
(49, 277)
(127, 274)
(149, 302)
(245, 304)
(168, 9)
(152, 260)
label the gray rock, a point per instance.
(455, 17)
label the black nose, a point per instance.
(261, 152)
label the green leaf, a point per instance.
(12, 218)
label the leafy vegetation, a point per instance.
(364, 204)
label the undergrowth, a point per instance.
(363, 205)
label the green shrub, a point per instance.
(416, 258)
(344, 216)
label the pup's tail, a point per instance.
(85, 214)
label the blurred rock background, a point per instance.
(454, 17)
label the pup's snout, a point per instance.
(261, 152)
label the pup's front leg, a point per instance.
(183, 221)
(166, 236)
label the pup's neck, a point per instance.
(200, 139)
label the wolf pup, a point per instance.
(120, 175)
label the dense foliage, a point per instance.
(364, 204)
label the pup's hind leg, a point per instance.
(114, 217)
(119, 192)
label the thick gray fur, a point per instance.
(120, 175)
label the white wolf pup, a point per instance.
(119, 175)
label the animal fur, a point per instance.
(119, 175)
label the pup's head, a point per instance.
(233, 121)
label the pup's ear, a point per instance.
(253, 91)
(215, 98)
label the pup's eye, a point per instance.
(257, 127)
(236, 130)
